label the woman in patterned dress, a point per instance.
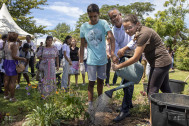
(48, 55)
(74, 68)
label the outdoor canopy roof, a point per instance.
(7, 24)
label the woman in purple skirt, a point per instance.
(9, 64)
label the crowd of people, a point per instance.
(100, 47)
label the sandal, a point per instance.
(6, 97)
(12, 100)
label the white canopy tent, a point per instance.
(7, 24)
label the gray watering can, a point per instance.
(133, 73)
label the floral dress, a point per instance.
(48, 84)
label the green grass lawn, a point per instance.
(25, 103)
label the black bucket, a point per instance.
(177, 86)
(169, 109)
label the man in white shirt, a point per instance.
(58, 45)
(122, 40)
(32, 53)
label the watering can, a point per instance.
(132, 73)
(109, 93)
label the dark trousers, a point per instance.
(128, 94)
(159, 79)
(127, 99)
(1, 79)
(108, 66)
(115, 78)
(31, 64)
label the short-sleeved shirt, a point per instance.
(66, 48)
(74, 54)
(96, 45)
(122, 39)
(24, 54)
(155, 51)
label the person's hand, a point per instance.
(24, 59)
(114, 67)
(70, 62)
(57, 68)
(108, 56)
(120, 52)
(82, 68)
(115, 59)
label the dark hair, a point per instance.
(28, 36)
(18, 40)
(93, 8)
(12, 36)
(132, 18)
(26, 46)
(66, 39)
(49, 37)
(4, 36)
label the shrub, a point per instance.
(60, 106)
(182, 58)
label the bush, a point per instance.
(60, 106)
(182, 58)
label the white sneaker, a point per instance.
(18, 86)
(90, 108)
(83, 84)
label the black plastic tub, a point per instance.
(169, 109)
(177, 86)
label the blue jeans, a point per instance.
(127, 99)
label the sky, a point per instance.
(68, 11)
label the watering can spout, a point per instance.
(109, 93)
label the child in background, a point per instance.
(24, 53)
(66, 61)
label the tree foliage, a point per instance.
(170, 24)
(61, 30)
(20, 10)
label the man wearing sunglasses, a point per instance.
(122, 42)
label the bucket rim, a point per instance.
(161, 103)
(178, 81)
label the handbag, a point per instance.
(132, 72)
(20, 67)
